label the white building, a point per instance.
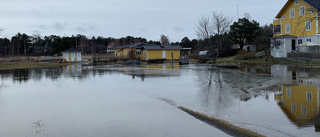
(71, 55)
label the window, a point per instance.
(309, 97)
(291, 13)
(308, 25)
(312, 11)
(308, 40)
(277, 29)
(297, 2)
(283, 17)
(293, 108)
(303, 110)
(302, 11)
(138, 52)
(299, 41)
(287, 28)
(288, 92)
(278, 43)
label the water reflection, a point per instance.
(299, 95)
(146, 71)
(241, 94)
(301, 104)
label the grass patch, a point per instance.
(222, 125)
(262, 61)
(8, 66)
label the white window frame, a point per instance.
(299, 41)
(303, 110)
(288, 92)
(293, 108)
(297, 2)
(292, 13)
(309, 96)
(287, 28)
(302, 11)
(308, 25)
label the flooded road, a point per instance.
(142, 101)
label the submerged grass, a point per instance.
(8, 66)
(222, 125)
(262, 61)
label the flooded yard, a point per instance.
(142, 101)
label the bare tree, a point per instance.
(220, 23)
(310, 14)
(217, 24)
(164, 40)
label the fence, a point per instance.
(303, 56)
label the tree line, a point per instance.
(35, 45)
(218, 34)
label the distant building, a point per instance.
(144, 51)
(71, 55)
(296, 23)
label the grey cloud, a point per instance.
(82, 27)
(37, 32)
(60, 26)
(178, 29)
(41, 27)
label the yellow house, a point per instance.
(71, 55)
(295, 24)
(147, 52)
(300, 103)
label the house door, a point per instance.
(164, 54)
(293, 45)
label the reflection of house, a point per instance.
(296, 23)
(144, 51)
(71, 55)
(300, 103)
(72, 70)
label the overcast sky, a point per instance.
(119, 18)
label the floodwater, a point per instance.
(142, 101)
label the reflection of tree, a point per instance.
(20, 75)
(220, 88)
(212, 92)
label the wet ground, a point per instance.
(142, 101)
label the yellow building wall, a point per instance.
(149, 54)
(299, 98)
(176, 54)
(154, 54)
(157, 54)
(297, 24)
(118, 53)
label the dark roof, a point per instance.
(145, 46)
(71, 50)
(161, 47)
(314, 3)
